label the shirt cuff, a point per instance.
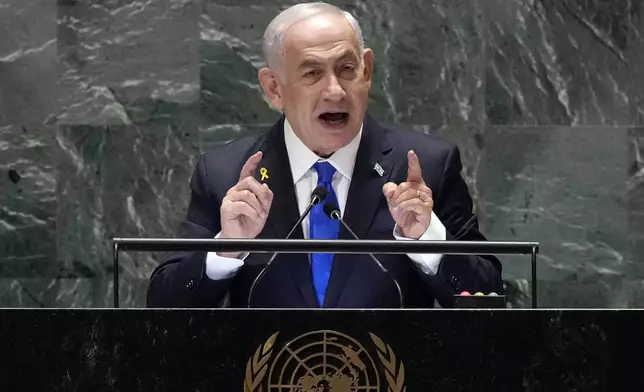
(219, 268)
(428, 263)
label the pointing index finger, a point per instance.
(251, 164)
(414, 173)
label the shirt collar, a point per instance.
(302, 158)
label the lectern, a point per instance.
(315, 350)
(247, 350)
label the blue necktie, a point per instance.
(323, 227)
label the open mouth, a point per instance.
(334, 119)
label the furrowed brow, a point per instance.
(313, 62)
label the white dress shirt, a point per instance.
(301, 160)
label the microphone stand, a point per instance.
(335, 214)
(318, 196)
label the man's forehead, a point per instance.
(319, 32)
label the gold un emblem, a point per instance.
(323, 361)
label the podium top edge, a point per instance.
(169, 240)
(310, 310)
(324, 246)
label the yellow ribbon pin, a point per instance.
(264, 173)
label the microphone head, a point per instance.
(331, 211)
(319, 194)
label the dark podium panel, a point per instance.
(312, 350)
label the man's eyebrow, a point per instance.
(348, 55)
(312, 62)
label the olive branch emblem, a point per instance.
(395, 378)
(257, 365)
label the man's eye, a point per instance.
(312, 73)
(349, 68)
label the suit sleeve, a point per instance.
(453, 205)
(180, 280)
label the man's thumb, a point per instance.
(388, 190)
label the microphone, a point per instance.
(333, 212)
(317, 196)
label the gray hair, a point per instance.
(273, 43)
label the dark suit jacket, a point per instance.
(355, 282)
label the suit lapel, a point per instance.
(284, 212)
(277, 175)
(365, 194)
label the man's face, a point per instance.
(323, 86)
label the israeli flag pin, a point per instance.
(379, 169)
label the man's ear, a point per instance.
(367, 60)
(268, 81)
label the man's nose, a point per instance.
(334, 91)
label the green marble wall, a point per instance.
(105, 105)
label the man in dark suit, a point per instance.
(387, 183)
